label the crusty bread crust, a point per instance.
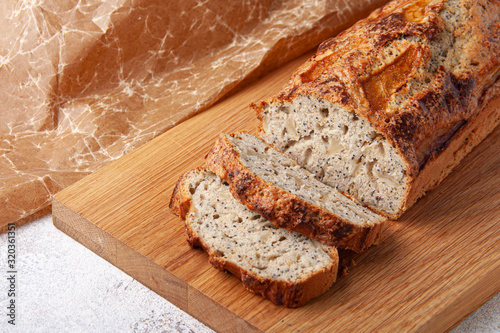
(180, 202)
(429, 126)
(290, 294)
(442, 164)
(287, 210)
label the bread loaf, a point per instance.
(273, 185)
(285, 267)
(385, 110)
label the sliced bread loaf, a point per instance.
(385, 110)
(273, 185)
(285, 267)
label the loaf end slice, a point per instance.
(285, 267)
(271, 183)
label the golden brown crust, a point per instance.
(442, 164)
(181, 197)
(284, 209)
(355, 70)
(288, 294)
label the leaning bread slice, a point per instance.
(272, 184)
(286, 267)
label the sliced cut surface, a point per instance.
(286, 267)
(340, 149)
(273, 184)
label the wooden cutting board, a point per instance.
(439, 262)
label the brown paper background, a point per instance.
(84, 82)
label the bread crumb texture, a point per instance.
(237, 235)
(273, 166)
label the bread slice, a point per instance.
(273, 185)
(286, 267)
(385, 110)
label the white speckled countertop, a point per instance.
(64, 287)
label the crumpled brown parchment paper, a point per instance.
(85, 81)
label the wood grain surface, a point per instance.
(439, 262)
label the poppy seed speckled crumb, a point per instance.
(286, 267)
